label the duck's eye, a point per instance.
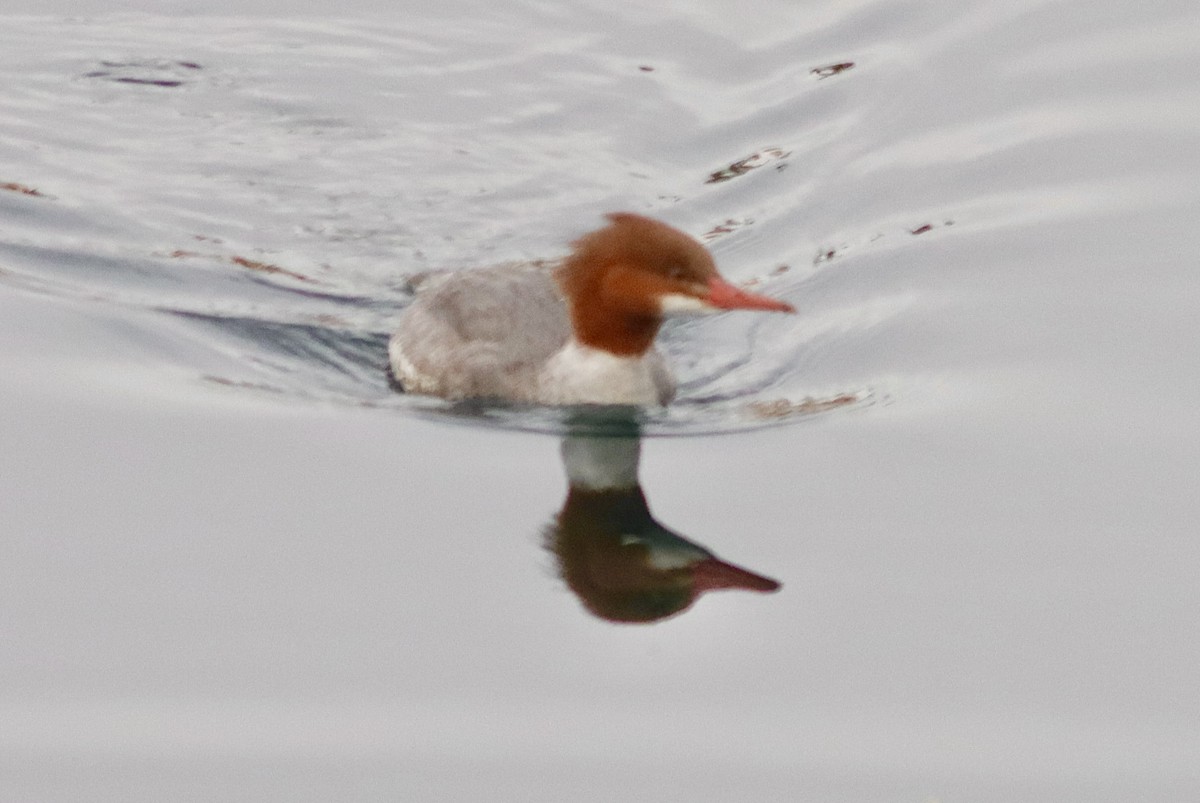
(676, 272)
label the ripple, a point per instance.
(276, 207)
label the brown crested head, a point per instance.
(622, 279)
(643, 244)
(634, 260)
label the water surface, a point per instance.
(237, 566)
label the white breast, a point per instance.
(583, 375)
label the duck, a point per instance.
(577, 332)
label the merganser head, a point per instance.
(623, 279)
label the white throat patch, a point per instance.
(683, 304)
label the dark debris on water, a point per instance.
(751, 162)
(830, 70)
(166, 74)
(24, 189)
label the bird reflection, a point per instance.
(622, 564)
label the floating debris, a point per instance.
(785, 408)
(161, 73)
(743, 166)
(13, 186)
(928, 227)
(251, 264)
(266, 267)
(831, 69)
(827, 255)
(728, 227)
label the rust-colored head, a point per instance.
(621, 281)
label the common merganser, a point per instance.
(622, 564)
(579, 333)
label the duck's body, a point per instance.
(581, 332)
(506, 333)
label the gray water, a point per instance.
(236, 566)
